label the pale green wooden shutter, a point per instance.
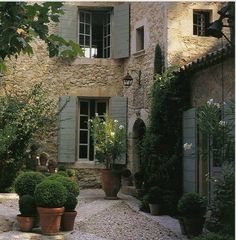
(190, 156)
(68, 23)
(119, 112)
(121, 31)
(67, 136)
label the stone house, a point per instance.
(117, 38)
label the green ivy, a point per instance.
(161, 147)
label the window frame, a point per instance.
(201, 21)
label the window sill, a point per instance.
(139, 53)
(96, 61)
(88, 164)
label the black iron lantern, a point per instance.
(127, 80)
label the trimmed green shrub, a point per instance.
(26, 182)
(192, 205)
(139, 176)
(70, 172)
(70, 185)
(70, 203)
(54, 176)
(213, 236)
(50, 194)
(27, 206)
(155, 195)
(126, 173)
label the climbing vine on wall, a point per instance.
(161, 148)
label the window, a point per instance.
(140, 38)
(95, 33)
(201, 21)
(88, 108)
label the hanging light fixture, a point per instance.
(127, 80)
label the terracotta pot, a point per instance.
(111, 184)
(50, 220)
(154, 209)
(25, 223)
(193, 226)
(68, 220)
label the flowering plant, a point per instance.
(109, 139)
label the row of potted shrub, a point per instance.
(51, 199)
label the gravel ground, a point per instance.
(100, 219)
(120, 222)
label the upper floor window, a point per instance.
(201, 21)
(140, 38)
(95, 33)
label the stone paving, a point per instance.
(97, 219)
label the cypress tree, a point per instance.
(158, 60)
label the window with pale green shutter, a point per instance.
(92, 28)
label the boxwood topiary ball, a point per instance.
(70, 203)
(50, 194)
(27, 206)
(26, 182)
(70, 185)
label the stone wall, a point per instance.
(207, 83)
(182, 45)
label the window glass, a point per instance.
(83, 151)
(140, 38)
(83, 136)
(201, 21)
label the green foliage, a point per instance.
(213, 236)
(50, 194)
(26, 183)
(21, 22)
(161, 146)
(222, 206)
(158, 60)
(71, 186)
(54, 176)
(126, 173)
(155, 195)
(139, 176)
(144, 204)
(219, 132)
(22, 117)
(192, 205)
(71, 172)
(110, 138)
(27, 206)
(70, 203)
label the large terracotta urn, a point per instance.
(111, 183)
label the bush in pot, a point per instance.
(28, 211)
(192, 207)
(68, 217)
(155, 200)
(26, 182)
(138, 179)
(50, 197)
(72, 187)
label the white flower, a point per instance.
(187, 146)
(217, 105)
(96, 114)
(112, 134)
(115, 121)
(121, 127)
(222, 123)
(210, 101)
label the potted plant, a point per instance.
(155, 200)
(138, 180)
(126, 179)
(192, 208)
(110, 145)
(72, 187)
(50, 197)
(52, 164)
(28, 210)
(43, 158)
(71, 173)
(68, 217)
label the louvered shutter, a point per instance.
(67, 136)
(68, 23)
(190, 156)
(121, 31)
(119, 112)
